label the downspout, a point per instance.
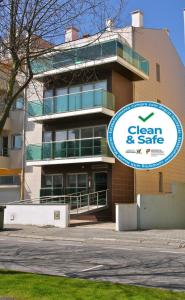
(134, 95)
(24, 146)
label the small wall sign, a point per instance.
(57, 215)
(145, 135)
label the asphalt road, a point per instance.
(130, 265)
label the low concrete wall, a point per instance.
(126, 217)
(36, 214)
(163, 211)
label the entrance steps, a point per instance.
(86, 209)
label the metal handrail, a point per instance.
(78, 203)
(42, 198)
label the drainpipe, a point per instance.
(24, 146)
(134, 95)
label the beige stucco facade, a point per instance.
(156, 46)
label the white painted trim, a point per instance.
(97, 62)
(102, 110)
(110, 160)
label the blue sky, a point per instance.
(160, 14)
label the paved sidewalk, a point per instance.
(101, 233)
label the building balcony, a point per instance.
(84, 103)
(100, 52)
(70, 151)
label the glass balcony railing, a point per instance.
(90, 53)
(72, 102)
(68, 149)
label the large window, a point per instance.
(47, 136)
(51, 185)
(86, 141)
(75, 134)
(81, 88)
(52, 181)
(75, 97)
(77, 182)
(16, 141)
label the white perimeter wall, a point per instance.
(126, 217)
(39, 215)
(161, 211)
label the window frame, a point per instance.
(13, 136)
(16, 182)
(80, 86)
(52, 186)
(158, 72)
(15, 108)
(53, 135)
(76, 179)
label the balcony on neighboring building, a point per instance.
(113, 51)
(69, 151)
(74, 104)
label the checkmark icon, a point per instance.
(146, 118)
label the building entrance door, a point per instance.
(100, 181)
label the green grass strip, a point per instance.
(26, 286)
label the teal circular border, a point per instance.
(138, 166)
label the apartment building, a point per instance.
(76, 92)
(11, 148)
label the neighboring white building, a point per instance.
(11, 150)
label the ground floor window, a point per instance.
(77, 182)
(52, 184)
(72, 183)
(9, 180)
